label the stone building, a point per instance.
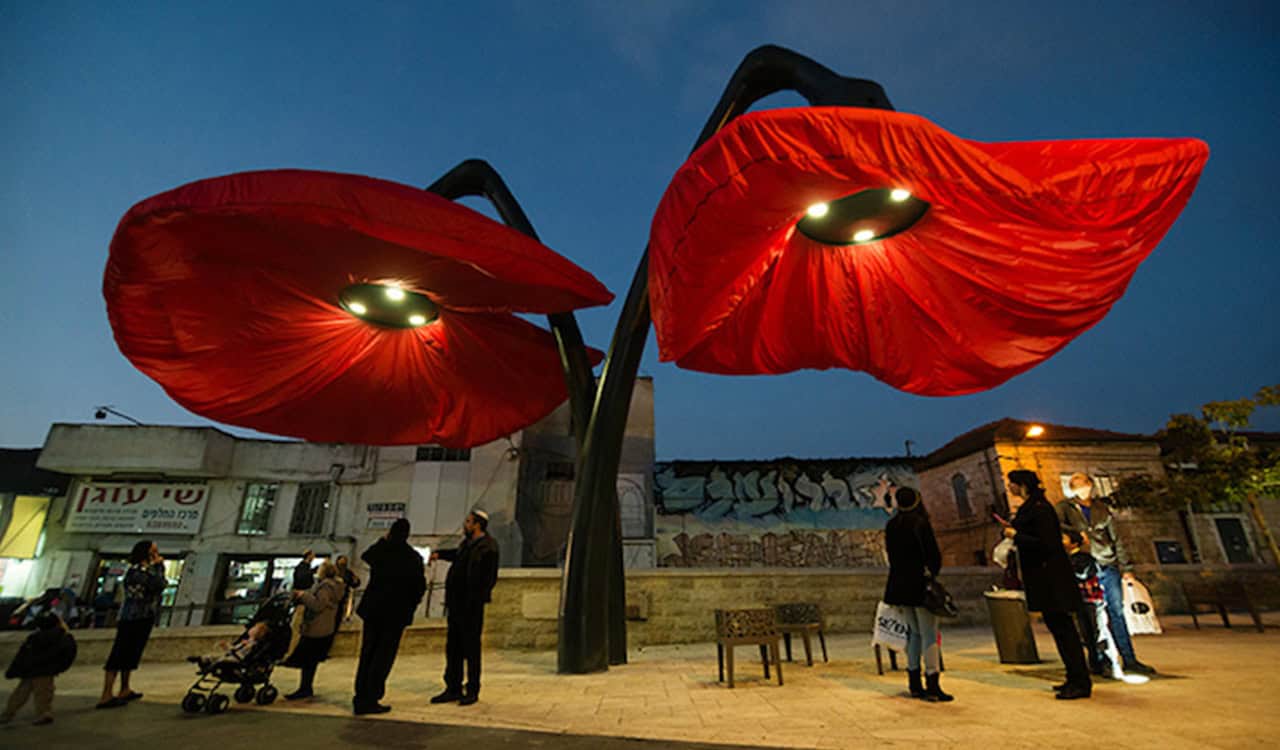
(963, 485)
(232, 516)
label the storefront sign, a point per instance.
(382, 515)
(137, 508)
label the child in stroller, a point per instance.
(247, 662)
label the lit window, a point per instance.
(255, 512)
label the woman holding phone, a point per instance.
(1048, 577)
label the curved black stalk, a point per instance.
(592, 589)
(477, 177)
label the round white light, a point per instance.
(898, 195)
(357, 308)
(394, 293)
(818, 210)
(417, 320)
(863, 235)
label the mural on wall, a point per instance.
(784, 513)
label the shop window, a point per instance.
(960, 487)
(255, 513)
(440, 453)
(310, 509)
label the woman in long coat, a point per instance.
(913, 558)
(320, 620)
(143, 584)
(1048, 578)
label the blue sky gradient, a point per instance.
(587, 108)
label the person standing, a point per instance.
(352, 581)
(1048, 577)
(1092, 517)
(397, 582)
(320, 620)
(914, 558)
(144, 583)
(46, 653)
(467, 589)
(303, 576)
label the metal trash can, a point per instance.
(1011, 626)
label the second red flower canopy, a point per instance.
(1001, 254)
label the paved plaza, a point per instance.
(1218, 688)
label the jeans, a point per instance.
(1113, 590)
(922, 639)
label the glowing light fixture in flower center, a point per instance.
(864, 216)
(389, 306)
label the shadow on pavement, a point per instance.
(77, 724)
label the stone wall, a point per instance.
(676, 606)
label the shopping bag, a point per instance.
(1139, 610)
(890, 628)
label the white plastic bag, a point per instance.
(1000, 555)
(1139, 610)
(890, 628)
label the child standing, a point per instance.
(47, 652)
(1094, 630)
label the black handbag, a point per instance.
(937, 599)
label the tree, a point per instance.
(1211, 461)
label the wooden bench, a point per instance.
(1220, 596)
(803, 619)
(747, 627)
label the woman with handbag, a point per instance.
(914, 561)
(1048, 577)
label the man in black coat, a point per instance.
(466, 590)
(396, 585)
(303, 576)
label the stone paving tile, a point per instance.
(1221, 693)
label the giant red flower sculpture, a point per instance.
(875, 240)
(340, 308)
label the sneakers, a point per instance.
(448, 696)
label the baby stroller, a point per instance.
(249, 672)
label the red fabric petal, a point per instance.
(1024, 247)
(330, 230)
(225, 293)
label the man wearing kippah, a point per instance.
(471, 577)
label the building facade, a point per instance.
(963, 486)
(232, 516)
(787, 512)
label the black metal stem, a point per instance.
(477, 177)
(592, 590)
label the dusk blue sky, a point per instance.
(587, 109)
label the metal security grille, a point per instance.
(439, 453)
(255, 513)
(310, 509)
